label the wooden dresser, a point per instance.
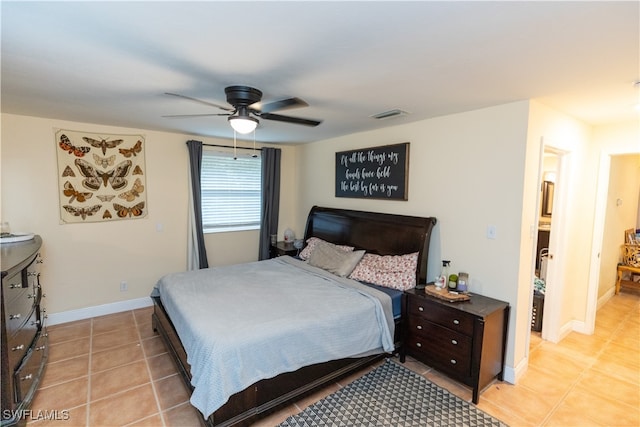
(464, 340)
(24, 338)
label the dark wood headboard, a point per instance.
(378, 233)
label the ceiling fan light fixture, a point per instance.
(243, 124)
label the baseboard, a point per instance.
(511, 374)
(606, 297)
(98, 310)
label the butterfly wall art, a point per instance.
(96, 181)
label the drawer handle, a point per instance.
(14, 316)
(29, 296)
(27, 377)
(419, 327)
(453, 361)
(454, 342)
(456, 322)
(32, 273)
(418, 344)
(39, 261)
(35, 322)
(15, 286)
(42, 347)
(420, 308)
(18, 347)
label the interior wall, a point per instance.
(615, 141)
(621, 211)
(464, 169)
(555, 129)
(84, 263)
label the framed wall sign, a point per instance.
(374, 173)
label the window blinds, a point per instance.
(231, 191)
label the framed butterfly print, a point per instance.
(100, 177)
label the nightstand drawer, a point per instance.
(455, 362)
(451, 318)
(441, 337)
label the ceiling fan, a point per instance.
(246, 105)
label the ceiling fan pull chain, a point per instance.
(235, 153)
(254, 145)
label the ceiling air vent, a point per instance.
(389, 114)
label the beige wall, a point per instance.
(85, 263)
(618, 146)
(464, 169)
(621, 211)
(572, 232)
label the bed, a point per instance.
(377, 307)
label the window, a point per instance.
(231, 192)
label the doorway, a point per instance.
(551, 213)
(549, 174)
(594, 297)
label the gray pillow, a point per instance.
(334, 260)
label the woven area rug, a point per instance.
(389, 396)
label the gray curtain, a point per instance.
(197, 253)
(270, 198)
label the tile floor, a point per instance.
(113, 371)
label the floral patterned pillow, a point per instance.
(313, 241)
(391, 271)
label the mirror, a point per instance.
(547, 198)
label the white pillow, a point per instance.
(311, 245)
(334, 260)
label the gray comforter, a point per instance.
(243, 323)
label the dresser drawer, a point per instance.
(444, 338)
(29, 374)
(445, 358)
(18, 313)
(18, 344)
(13, 287)
(451, 318)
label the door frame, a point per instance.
(602, 190)
(552, 311)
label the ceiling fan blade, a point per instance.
(288, 119)
(173, 116)
(211, 104)
(283, 104)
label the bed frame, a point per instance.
(383, 234)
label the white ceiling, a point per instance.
(112, 62)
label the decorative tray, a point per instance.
(16, 237)
(445, 294)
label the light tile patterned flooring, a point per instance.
(113, 371)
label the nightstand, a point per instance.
(282, 248)
(464, 340)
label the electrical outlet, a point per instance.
(123, 286)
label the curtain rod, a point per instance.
(231, 146)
